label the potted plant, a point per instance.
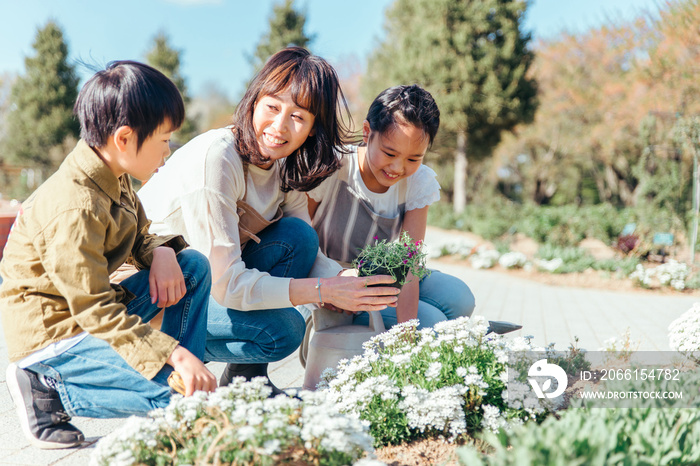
(396, 258)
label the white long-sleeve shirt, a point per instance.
(195, 193)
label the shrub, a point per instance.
(443, 381)
(624, 266)
(627, 243)
(477, 218)
(672, 273)
(238, 424)
(635, 436)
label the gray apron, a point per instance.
(346, 223)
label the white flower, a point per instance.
(433, 371)
(492, 419)
(512, 260)
(549, 265)
(672, 273)
(484, 258)
(684, 333)
(401, 359)
(440, 410)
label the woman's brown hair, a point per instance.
(314, 86)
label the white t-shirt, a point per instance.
(422, 189)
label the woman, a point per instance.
(237, 195)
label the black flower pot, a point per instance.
(368, 269)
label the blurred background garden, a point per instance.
(585, 135)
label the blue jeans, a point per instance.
(287, 248)
(93, 380)
(442, 297)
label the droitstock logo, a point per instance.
(543, 369)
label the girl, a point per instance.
(236, 195)
(383, 188)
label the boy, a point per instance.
(79, 345)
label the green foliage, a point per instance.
(42, 102)
(491, 219)
(573, 361)
(569, 224)
(560, 226)
(637, 436)
(575, 259)
(693, 282)
(623, 266)
(286, 28)
(166, 59)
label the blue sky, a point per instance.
(217, 36)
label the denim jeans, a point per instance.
(442, 297)
(287, 248)
(93, 380)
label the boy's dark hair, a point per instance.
(127, 93)
(314, 86)
(405, 104)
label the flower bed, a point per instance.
(447, 381)
(441, 385)
(238, 424)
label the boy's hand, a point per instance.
(194, 373)
(167, 285)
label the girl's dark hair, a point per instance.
(127, 93)
(405, 104)
(314, 86)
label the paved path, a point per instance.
(550, 314)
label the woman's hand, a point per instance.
(355, 294)
(167, 285)
(194, 373)
(346, 293)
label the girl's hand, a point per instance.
(167, 285)
(194, 373)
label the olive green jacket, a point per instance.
(71, 234)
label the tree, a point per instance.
(286, 28)
(473, 56)
(611, 100)
(6, 83)
(41, 116)
(166, 59)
